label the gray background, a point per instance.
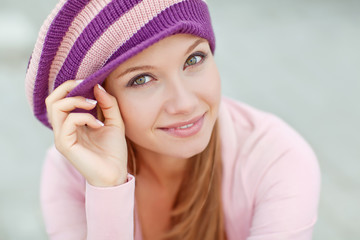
(297, 59)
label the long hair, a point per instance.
(197, 210)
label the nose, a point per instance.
(181, 98)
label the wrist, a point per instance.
(109, 182)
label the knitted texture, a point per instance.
(88, 39)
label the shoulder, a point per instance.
(247, 129)
(256, 143)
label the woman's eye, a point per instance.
(141, 80)
(192, 60)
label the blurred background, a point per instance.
(297, 59)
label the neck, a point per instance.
(164, 171)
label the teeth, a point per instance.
(186, 126)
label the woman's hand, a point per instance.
(97, 150)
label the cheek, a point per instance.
(139, 115)
(210, 85)
(133, 114)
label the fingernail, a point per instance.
(101, 88)
(78, 81)
(91, 101)
(100, 122)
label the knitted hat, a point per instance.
(88, 39)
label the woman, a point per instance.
(131, 91)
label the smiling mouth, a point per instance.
(185, 129)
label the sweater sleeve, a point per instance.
(287, 188)
(75, 210)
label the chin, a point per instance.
(189, 149)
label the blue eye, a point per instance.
(140, 80)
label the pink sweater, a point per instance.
(271, 184)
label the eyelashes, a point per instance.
(140, 80)
(144, 78)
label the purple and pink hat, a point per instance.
(88, 39)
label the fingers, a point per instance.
(59, 106)
(59, 93)
(67, 137)
(59, 110)
(75, 120)
(62, 91)
(109, 107)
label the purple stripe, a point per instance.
(89, 36)
(186, 12)
(56, 32)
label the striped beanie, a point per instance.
(88, 39)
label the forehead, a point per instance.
(169, 46)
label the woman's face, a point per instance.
(169, 96)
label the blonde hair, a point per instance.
(197, 210)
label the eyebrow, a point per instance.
(133, 69)
(194, 45)
(148, 67)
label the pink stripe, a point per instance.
(77, 26)
(121, 31)
(35, 57)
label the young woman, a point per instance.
(131, 91)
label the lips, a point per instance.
(185, 129)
